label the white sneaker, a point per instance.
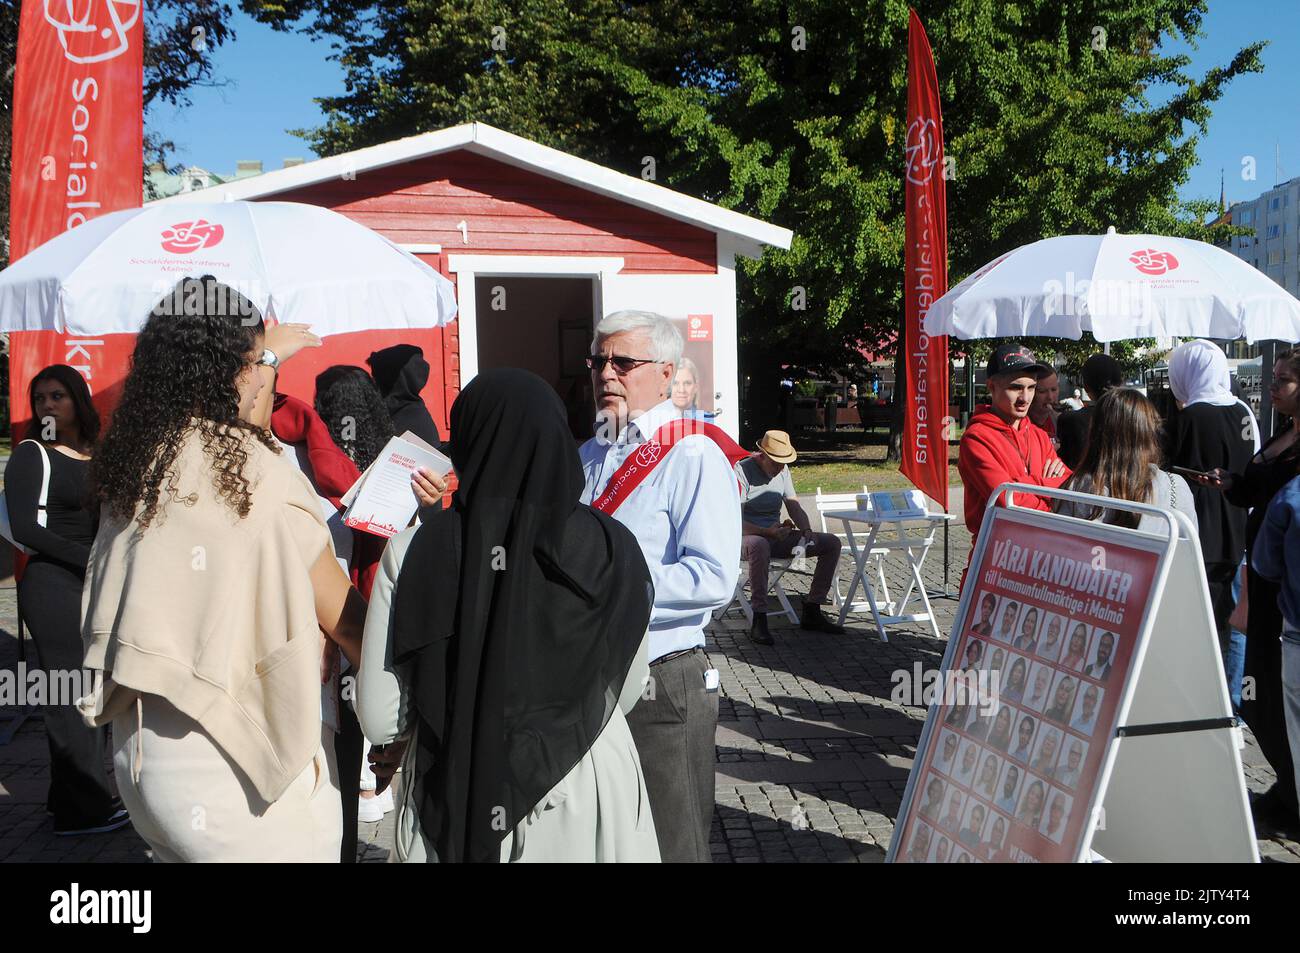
(372, 809)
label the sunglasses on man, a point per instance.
(622, 365)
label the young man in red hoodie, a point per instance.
(1001, 445)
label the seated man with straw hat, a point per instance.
(765, 485)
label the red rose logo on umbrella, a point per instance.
(1152, 262)
(185, 237)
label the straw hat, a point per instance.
(776, 444)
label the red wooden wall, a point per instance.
(507, 211)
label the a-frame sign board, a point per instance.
(1083, 710)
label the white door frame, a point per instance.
(467, 268)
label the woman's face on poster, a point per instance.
(1034, 800)
(685, 389)
(1064, 691)
(1078, 641)
(1029, 624)
(1056, 812)
(1026, 731)
(1002, 723)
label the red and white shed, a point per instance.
(540, 245)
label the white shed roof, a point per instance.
(514, 150)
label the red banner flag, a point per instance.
(78, 132)
(925, 397)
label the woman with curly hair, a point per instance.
(209, 584)
(349, 402)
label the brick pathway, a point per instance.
(812, 755)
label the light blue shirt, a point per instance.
(686, 516)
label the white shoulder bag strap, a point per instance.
(42, 513)
(42, 502)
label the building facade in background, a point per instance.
(1274, 248)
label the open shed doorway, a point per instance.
(542, 324)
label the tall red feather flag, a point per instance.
(925, 396)
(78, 152)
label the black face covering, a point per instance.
(400, 373)
(522, 611)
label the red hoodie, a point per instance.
(333, 473)
(992, 452)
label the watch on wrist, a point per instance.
(269, 359)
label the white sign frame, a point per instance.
(1138, 752)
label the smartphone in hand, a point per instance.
(1194, 474)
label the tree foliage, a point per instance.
(1061, 115)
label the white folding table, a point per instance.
(914, 548)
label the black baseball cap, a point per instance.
(1100, 373)
(1016, 359)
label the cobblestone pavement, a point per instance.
(812, 755)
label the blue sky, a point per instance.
(270, 81)
(273, 77)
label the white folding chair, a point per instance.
(848, 501)
(776, 569)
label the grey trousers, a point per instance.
(674, 734)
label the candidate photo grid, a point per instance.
(1018, 757)
(1044, 705)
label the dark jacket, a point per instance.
(1203, 437)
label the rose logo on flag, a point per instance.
(92, 31)
(1152, 262)
(649, 453)
(185, 237)
(922, 150)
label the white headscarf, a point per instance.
(1198, 374)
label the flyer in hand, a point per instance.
(381, 501)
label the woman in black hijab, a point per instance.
(400, 373)
(505, 643)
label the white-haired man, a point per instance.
(667, 479)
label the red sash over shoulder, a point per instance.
(640, 464)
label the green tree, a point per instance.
(1061, 116)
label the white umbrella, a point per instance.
(1118, 287)
(295, 262)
